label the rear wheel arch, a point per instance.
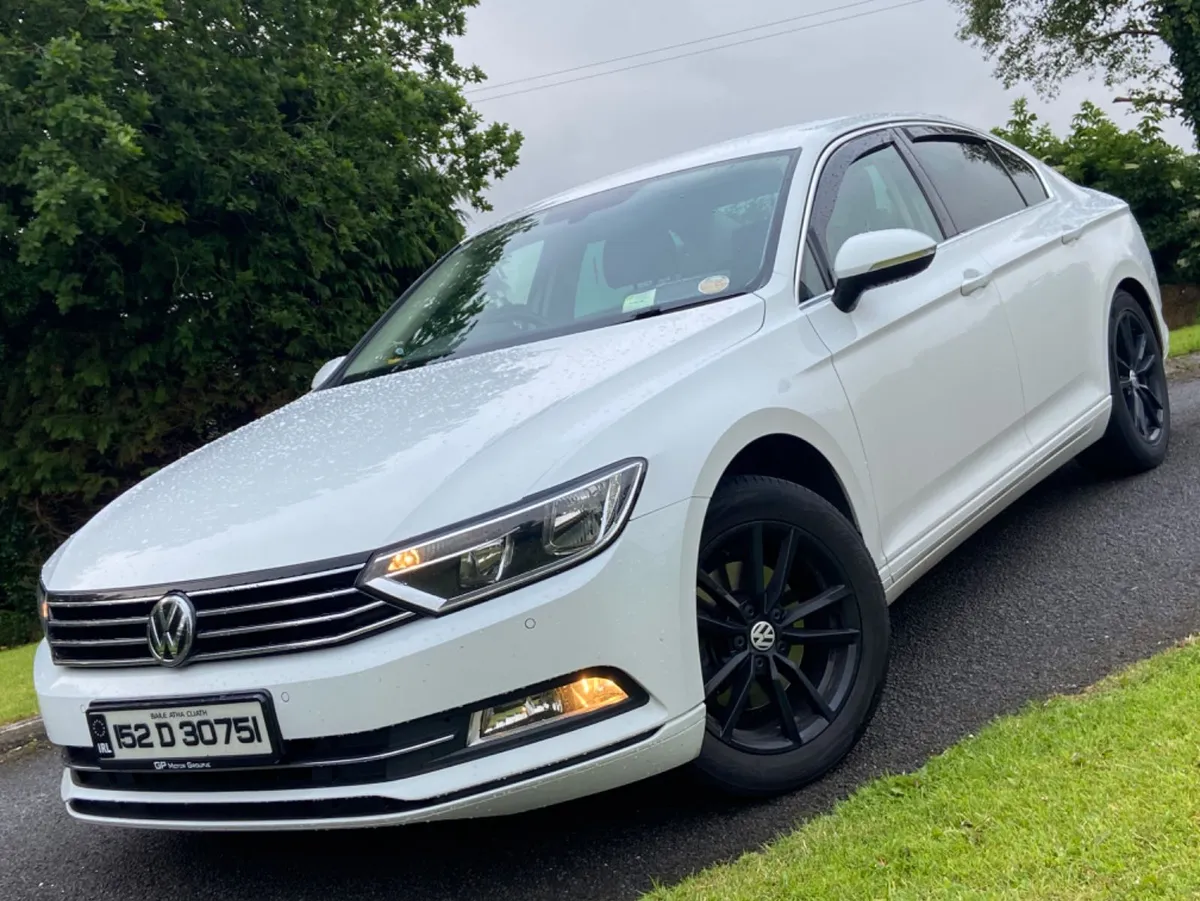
(1135, 288)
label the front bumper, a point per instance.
(631, 609)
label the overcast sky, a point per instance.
(903, 59)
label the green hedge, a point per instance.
(1160, 181)
(200, 203)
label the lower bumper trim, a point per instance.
(317, 809)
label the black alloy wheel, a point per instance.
(792, 628)
(1140, 375)
(1139, 425)
(779, 636)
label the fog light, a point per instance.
(553, 705)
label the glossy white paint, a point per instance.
(937, 401)
(877, 251)
(322, 375)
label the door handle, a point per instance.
(1071, 235)
(973, 280)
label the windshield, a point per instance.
(688, 237)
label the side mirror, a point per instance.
(325, 372)
(871, 259)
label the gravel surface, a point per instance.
(1074, 581)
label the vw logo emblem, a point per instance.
(762, 636)
(172, 629)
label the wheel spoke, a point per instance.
(794, 672)
(1139, 414)
(713, 685)
(820, 602)
(719, 626)
(1139, 350)
(720, 594)
(787, 716)
(1124, 343)
(1146, 364)
(739, 703)
(783, 567)
(756, 561)
(1152, 405)
(820, 636)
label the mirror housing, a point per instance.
(325, 372)
(871, 259)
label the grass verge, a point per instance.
(1092, 796)
(17, 700)
(1185, 340)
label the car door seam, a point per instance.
(1010, 478)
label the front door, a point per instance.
(928, 363)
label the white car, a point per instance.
(623, 483)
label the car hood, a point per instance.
(346, 470)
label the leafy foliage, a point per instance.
(199, 203)
(1159, 181)
(1044, 41)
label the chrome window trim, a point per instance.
(842, 140)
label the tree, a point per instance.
(1044, 41)
(200, 202)
(1159, 181)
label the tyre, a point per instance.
(794, 637)
(1139, 427)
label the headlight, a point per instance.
(43, 606)
(509, 548)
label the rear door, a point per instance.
(1036, 254)
(928, 363)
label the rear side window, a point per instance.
(971, 180)
(1022, 173)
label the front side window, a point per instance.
(970, 179)
(877, 191)
(683, 238)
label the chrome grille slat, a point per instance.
(311, 643)
(115, 661)
(290, 624)
(99, 623)
(286, 602)
(256, 618)
(102, 602)
(270, 583)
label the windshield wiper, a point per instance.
(648, 312)
(684, 305)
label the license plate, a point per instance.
(184, 734)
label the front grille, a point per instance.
(254, 618)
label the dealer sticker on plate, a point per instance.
(191, 735)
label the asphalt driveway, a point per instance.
(1073, 582)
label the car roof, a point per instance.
(813, 135)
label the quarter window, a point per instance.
(970, 179)
(1022, 173)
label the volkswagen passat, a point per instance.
(623, 483)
